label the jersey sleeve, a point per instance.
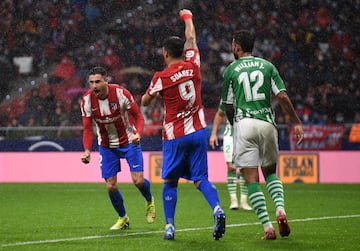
(87, 121)
(88, 133)
(138, 118)
(227, 94)
(192, 55)
(277, 84)
(155, 85)
(134, 111)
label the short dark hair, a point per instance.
(245, 39)
(174, 46)
(98, 70)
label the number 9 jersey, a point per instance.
(180, 87)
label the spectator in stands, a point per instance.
(3, 121)
(64, 70)
(14, 134)
(7, 18)
(34, 106)
(49, 102)
(7, 72)
(154, 125)
(92, 13)
(14, 122)
(325, 30)
(111, 60)
(75, 117)
(316, 119)
(74, 28)
(356, 117)
(32, 121)
(59, 117)
(27, 26)
(75, 114)
(45, 121)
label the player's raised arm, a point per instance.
(190, 34)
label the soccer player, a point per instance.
(248, 85)
(119, 124)
(184, 135)
(232, 173)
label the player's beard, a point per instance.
(101, 92)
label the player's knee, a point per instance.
(138, 182)
(112, 188)
(268, 170)
(111, 184)
(198, 182)
(138, 179)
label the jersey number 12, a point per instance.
(252, 93)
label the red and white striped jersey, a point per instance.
(117, 117)
(180, 88)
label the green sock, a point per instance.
(257, 200)
(243, 187)
(276, 191)
(231, 182)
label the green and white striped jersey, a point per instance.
(248, 84)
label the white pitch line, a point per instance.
(156, 232)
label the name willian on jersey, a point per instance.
(249, 64)
(181, 74)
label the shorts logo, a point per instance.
(135, 166)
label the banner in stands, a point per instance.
(319, 137)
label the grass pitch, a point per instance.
(78, 217)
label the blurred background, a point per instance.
(47, 47)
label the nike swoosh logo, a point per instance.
(135, 166)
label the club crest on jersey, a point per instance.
(113, 106)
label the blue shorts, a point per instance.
(186, 157)
(110, 159)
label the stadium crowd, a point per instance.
(314, 44)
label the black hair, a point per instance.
(174, 46)
(98, 70)
(245, 39)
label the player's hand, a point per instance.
(185, 13)
(135, 139)
(86, 157)
(213, 141)
(299, 133)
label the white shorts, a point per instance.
(255, 143)
(228, 148)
